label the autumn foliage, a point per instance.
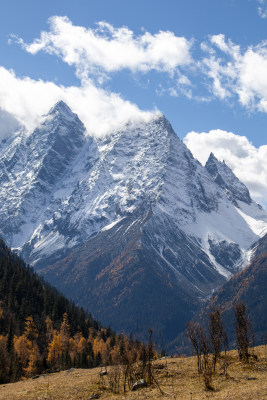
(61, 350)
(40, 330)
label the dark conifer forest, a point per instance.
(42, 331)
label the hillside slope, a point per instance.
(40, 329)
(249, 287)
(23, 294)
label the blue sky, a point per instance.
(202, 63)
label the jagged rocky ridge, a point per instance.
(225, 178)
(128, 223)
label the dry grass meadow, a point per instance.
(175, 378)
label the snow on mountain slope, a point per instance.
(59, 186)
(31, 169)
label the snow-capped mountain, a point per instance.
(126, 217)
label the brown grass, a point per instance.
(178, 379)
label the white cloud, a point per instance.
(101, 111)
(95, 54)
(262, 8)
(228, 70)
(237, 72)
(106, 49)
(246, 161)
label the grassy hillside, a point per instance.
(176, 378)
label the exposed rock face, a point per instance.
(126, 224)
(225, 178)
(225, 253)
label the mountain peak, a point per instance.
(213, 159)
(61, 121)
(227, 180)
(60, 107)
(212, 156)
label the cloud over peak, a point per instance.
(100, 110)
(95, 53)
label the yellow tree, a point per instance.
(34, 357)
(22, 347)
(55, 350)
(82, 344)
(65, 332)
(77, 345)
(26, 348)
(49, 329)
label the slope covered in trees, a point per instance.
(41, 330)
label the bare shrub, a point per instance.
(193, 333)
(242, 331)
(133, 364)
(207, 378)
(217, 334)
(204, 347)
(114, 378)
